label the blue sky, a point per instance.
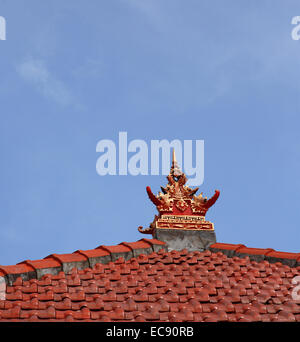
(75, 72)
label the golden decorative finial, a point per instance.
(178, 205)
(174, 157)
(175, 169)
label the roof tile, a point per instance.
(153, 285)
(63, 258)
(115, 249)
(93, 253)
(283, 255)
(227, 246)
(16, 269)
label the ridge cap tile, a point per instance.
(255, 251)
(69, 257)
(140, 244)
(153, 241)
(42, 263)
(92, 253)
(284, 255)
(17, 269)
(115, 248)
(229, 246)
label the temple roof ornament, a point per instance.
(178, 205)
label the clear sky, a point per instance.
(74, 72)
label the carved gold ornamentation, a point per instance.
(181, 202)
(166, 202)
(181, 205)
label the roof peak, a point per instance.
(83, 259)
(175, 170)
(181, 213)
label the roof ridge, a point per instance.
(163, 286)
(81, 259)
(257, 254)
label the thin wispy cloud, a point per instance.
(35, 72)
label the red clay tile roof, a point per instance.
(141, 281)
